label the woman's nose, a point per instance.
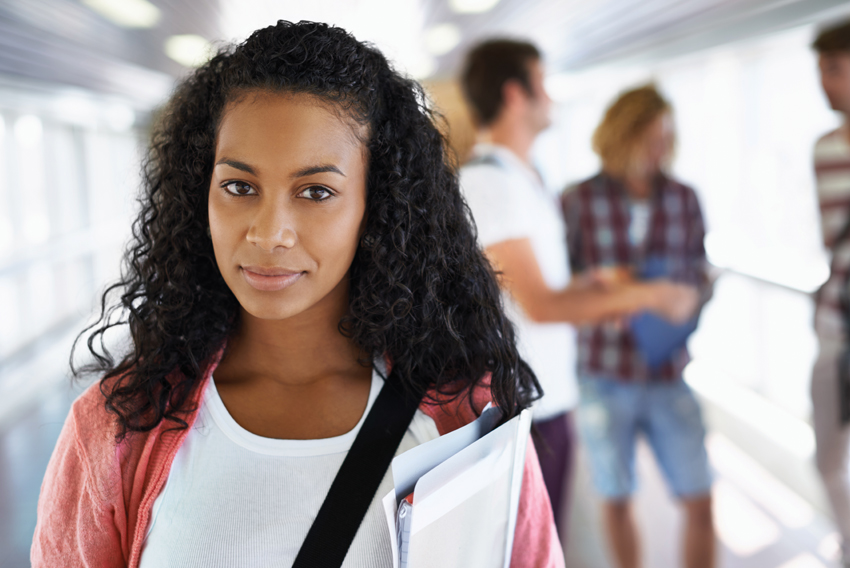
(273, 226)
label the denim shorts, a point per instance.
(611, 415)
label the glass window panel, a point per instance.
(40, 299)
(65, 179)
(29, 179)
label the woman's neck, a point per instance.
(297, 378)
(512, 135)
(292, 352)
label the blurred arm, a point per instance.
(694, 288)
(521, 276)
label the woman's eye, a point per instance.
(238, 188)
(317, 193)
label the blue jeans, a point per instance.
(611, 415)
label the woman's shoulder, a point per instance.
(87, 459)
(95, 432)
(93, 424)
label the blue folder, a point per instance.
(656, 338)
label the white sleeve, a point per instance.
(495, 197)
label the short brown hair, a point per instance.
(617, 136)
(833, 39)
(488, 67)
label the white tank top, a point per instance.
(233, 498)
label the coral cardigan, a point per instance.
(97, 495)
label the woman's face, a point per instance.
(287, 203)
(655, 146)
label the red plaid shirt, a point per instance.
(598, 216)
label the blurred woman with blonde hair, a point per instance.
(633, 221)
(635, 138)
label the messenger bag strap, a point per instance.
(358, 478)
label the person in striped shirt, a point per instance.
(832, 172)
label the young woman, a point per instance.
(302, 245)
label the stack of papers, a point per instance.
(465, 490)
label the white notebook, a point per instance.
(466, 488)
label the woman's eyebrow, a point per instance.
(237, 165)
(303, 172)
(323, 168)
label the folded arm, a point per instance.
(577, 304)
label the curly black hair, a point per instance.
(421, 291)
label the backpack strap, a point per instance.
(485, 160)
(358, 478)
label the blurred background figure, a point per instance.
(521, 229)
(621, 222)
(523, 235)
(831, 375)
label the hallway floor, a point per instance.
(760, 522)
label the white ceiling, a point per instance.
(574, 34)
(66, 42)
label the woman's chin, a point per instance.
(269, 308)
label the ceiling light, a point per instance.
(189, 50)
(442, 38)
(126, 13)
(472, 6)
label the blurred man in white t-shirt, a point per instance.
(523, 234)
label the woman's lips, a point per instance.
(269, 279)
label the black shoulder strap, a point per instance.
(359, 476)
(484, 160)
